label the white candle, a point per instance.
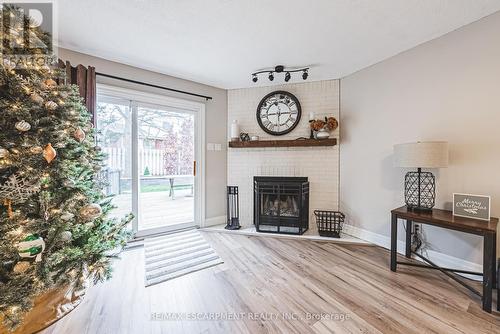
(235, 130)
(311, 116)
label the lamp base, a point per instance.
(420, 190)
(418, 209)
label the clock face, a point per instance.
(278, 113)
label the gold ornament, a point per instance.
(36, 150)
(49, 153)
(23, 126)
(49, 83)
(79, 135)
(51, 105)
(21, 267)
(90, 211)
(4, 153)
(36, 98)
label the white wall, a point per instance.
(216, 115)
(319, 164)
(446, 89)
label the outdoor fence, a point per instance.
(151, 161)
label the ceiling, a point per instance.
(220, 42)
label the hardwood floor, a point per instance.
(267, 279)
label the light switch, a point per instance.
(210, 146)
(218, 147)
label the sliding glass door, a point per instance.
(151, 166)
(114, 124)
(166, 166)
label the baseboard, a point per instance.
(214, 221)
(442, 260)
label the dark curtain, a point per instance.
(85, 79)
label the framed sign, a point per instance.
(471, 206)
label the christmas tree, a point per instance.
(54, 229)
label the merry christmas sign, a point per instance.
(471, 206)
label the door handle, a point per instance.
(194, 167)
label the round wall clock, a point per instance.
(278, 113)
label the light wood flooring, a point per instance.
(265, 280)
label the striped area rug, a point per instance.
(177, 254)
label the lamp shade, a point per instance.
(431, 154)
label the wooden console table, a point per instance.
(445, 219)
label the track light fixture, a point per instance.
(281, 69)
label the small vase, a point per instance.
(322, 134)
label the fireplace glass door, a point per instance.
(281, 205)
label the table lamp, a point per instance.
(420, 187)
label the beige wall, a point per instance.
(216, 115)
(446, 89)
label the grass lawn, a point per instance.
(161, 187)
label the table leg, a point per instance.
(494, 262)
(171, 193)
(487, 271)
(409, 226)
(394, 241)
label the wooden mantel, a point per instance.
(284, 143)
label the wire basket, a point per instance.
(329, 223)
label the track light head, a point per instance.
(287, 76)
(305, 75)
(271, 76)
(254, 79)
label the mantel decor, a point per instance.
(278, 113)
(420, 187)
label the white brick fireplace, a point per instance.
(319, 164)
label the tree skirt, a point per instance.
(48, 308)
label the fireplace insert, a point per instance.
(281, 204)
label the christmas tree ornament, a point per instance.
(49, 83)
(36, 98)
(36, 150)
(18, 189)
(66, 236)
(49, 153)
(60, 144)
(21, 267)
(31, 247)
(69, 183)
(23, 126)
(4, 153)
(67, 216)
(79, 135)
(91, 211)
(8, 204)
(50, 105)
